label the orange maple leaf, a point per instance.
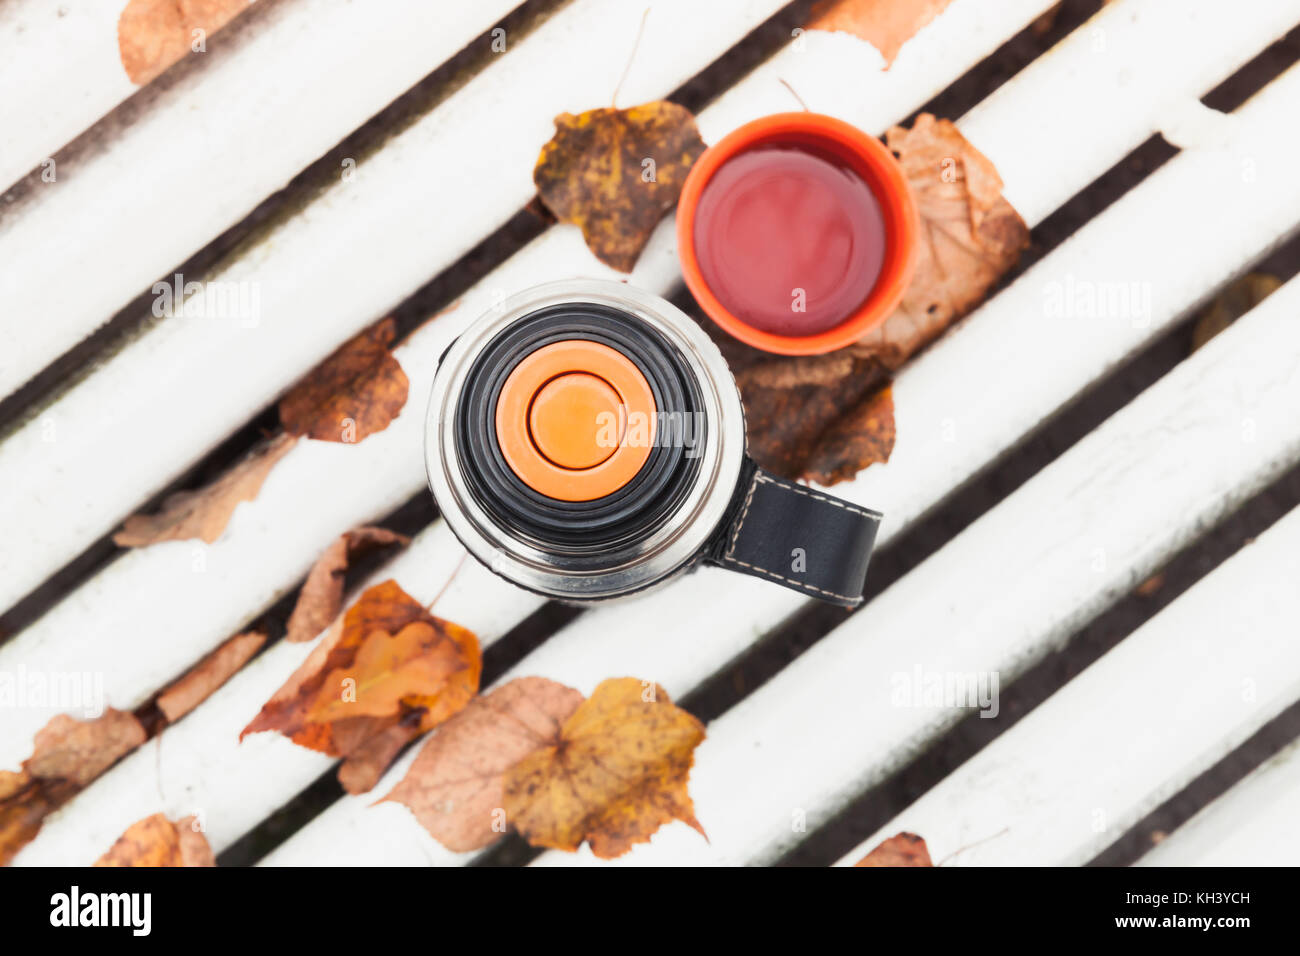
(437, 677)
(885, 24)
(157, 841)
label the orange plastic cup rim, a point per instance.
(867, 156)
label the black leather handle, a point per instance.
(800, 537)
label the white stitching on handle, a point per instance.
(837, 502)
(744, 513)
(792, 581)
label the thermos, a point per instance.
(586, 440)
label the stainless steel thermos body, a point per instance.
(586, 440)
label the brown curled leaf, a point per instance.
(355, 392)
(786, 425)
(796, 370)
(970, 237)
(903, 849)
(885, 24)
(202, 680)
(67, 755)
(13, 782)
(157, 841)
(366, 764)
(204, 513)
(456, 786)
(23, 813)
(80, 750)
(154, 34)
(321, 596)
(616, 173)
(862, 436)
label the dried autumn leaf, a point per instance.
(305, 710)
(67, 754)
(904, 849)
(796, 371)
(355, 392)
(456, 786)
(321, 596)
(23, 812)
(20, 816)
(367, 763)
(885, 24)
(80, 750)
(154, 34)
(1232, 303)
(157, 841)
(786, 424)
(282, 711)
(12, 782)
(199, 683)
(617, 773)
(863, 436)
(206, 512)
(824, 418)
(970, 237)
(421, 666)
(616, 173)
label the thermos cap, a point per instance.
(539, 502)
(575, 420)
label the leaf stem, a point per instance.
(630, 59)
(443, 590)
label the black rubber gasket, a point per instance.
(637, 509)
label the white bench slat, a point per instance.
(1031, 363)
(1015, 584)
(1141, 41)
(262, 111)
(1175, 696)
(199, 766)
(65, 60)
(310, 485)
(1000, 402)
(318, 490)
(1253, 824)
(329, 270)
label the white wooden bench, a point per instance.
(1015, 585)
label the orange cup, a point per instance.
(864, 155)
